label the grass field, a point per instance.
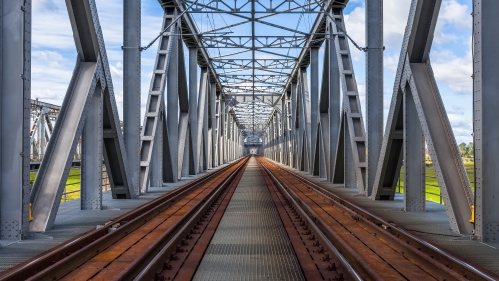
(72, 184)
(432, 189)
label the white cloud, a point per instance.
(453, 71)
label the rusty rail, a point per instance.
(330, 211)
(319, 259)
(60, 260)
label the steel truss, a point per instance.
(89, 110)
(315, 134)
(256, 92)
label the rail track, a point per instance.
(166, 239)
(374, 248)
(160, 231)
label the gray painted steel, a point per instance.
(485, 116)
(153, 137)
(414, 157)
(91, 70)
(15, 98)
(193, 107)
(374, 88)
(415, 74)
(51, 178)
(131, 86)
(91, 159)
(250, 242)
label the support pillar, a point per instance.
(193, 106)
(414, 157)
(91, 154)
(131, 86)
(15, 98)
(485, 116)
(374, 87)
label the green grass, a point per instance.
(432, 189)
(72, 184)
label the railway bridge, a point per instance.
(256, 154)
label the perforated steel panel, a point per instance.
(250, 242)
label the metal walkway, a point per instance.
(250, 242)
(71, 222)
(432, 225)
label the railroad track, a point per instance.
(349, 243)
(166, 239)
(150, 242)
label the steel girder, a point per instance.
(131, 85)
(330, 108)
(485, 116)
(90, 86)
(160, 160)
(416, 97)
(374, 87)
(328, 139)
(15, 91)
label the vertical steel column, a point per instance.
(131, 86)
(223, 132)
(294, 144)
(485, 133)
(216, 126)
(15, 98)
(213, 125)
(414, 157)
(229, 137)
(282, 126)
(202, 120)
(193, 105)
(91, 154)
(374, 88)
(314, 109)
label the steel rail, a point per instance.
(149, 271)
(308, 223)
(143, 268)
(76, 263)
(370, 263)
(134, 219)
(388, 230)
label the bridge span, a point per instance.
(254, 154)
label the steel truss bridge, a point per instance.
(251, 78)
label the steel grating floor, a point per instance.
(250, 242)
(432, 225)
(71, 222)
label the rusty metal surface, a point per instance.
(434, 253)
(314, 259)
(371, 248)
(184, 269)
(106, 253)
(33, 265)
(135, 250)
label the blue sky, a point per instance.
(54, 52)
